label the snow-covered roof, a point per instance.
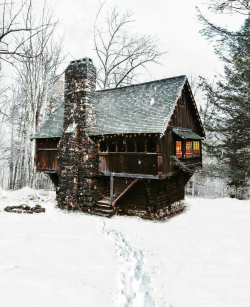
(53, 125)
(186, 134)
(141, 108)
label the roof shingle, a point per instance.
(141, 108)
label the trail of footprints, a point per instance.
(134, 288)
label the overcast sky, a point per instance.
(173, 21)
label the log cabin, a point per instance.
(114, 151)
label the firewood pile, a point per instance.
(25, 209)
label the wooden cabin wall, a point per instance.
(136, 200)
(113, 161)
(167, 152)
(173, 189)
(150, 196)
(128, 163)
(184, 115)
(46, 154)
(120, 184)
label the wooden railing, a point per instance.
(130, 163)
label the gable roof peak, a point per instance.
(143, 83)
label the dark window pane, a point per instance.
(121, 146)
(151, 146)
(130, 146)
(103, 146)
(112, 146)
(140, 146)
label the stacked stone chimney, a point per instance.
(77, 153)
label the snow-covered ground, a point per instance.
(198, 258)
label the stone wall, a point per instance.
(77, 153)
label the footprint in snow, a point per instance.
(134, 286)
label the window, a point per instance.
(130, 146)
(121, 146)
(178, 149)
(112, 146)
(151, 146)
(189, 149)
(103, 146)
(196, 149)
(140, 146)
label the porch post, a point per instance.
(111, 189)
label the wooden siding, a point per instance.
(135, 200)
(134, 163)
(184, 116)
(46, 154)
(167, 152)
(120, 184)
(172, 191)
(150, 195)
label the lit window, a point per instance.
(189, 149)
(196, 149)
(178, 149)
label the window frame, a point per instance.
(196, 149)
(189, 151)
(178, 154)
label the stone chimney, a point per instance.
(77, 153)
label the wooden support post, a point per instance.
(111, 189)
(159, 163)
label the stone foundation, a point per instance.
(170, 210)
(167, 212)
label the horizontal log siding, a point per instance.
(135, 200)
(157, 194)
(120, 184)
(172, 191)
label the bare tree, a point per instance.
(230, 6)
(219, 35)
(3, 99)
(122, 54)
(16, 28)
(34, 97)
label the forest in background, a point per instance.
(34, 54)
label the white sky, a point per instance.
(173, 21)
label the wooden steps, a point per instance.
(104, 208)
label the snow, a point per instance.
(53, 259)
(198, 258)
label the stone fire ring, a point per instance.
(25, 209)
